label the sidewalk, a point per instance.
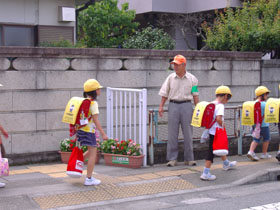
(46, 186)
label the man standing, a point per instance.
(179, 88)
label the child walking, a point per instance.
(5, 134)
(86, 134)
(223, 94)
(262, 93)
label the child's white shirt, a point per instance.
(219, 111)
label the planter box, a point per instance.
(123, 160)
(66, 155)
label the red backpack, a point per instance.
(203, 115)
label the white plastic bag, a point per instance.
(205, 136)
(257, 131)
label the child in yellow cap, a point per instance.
(86, 134)
(223, 94)
(262, 93)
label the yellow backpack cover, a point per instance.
(271, 113)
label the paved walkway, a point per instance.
(46, 186)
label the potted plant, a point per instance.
(67, 145)
(122, 153)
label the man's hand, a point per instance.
(160, 111)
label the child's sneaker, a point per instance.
(231, 165)
(207, 177)
(2, 184)
(265, 156)
(92, 181)
(252, 156)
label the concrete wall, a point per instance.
(179, 6)
(38, 82)
(33, 12)
(270, 76)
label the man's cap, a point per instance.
(179, 59)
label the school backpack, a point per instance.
(203, 115)
(251, 113)
(76, 113)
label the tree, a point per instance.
(105, 25)
(254, 27)
(189, 24)
(150, 38)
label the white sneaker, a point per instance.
(207, 177)
(92, 181)
(252, 156)
(265, 156)
(231, 165)
(2, 184)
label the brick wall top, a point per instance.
(122, 53)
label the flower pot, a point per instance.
(123, 160)
(64, 156)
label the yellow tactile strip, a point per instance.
(111, 192)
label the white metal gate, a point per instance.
(123, 122)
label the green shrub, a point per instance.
(150, 38)
(254, 27)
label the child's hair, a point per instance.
(262, 96)
(92, 94)
(221, 95)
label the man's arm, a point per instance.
(161, 105)
(195, 99)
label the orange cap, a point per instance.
(179, 59)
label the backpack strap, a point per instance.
(89, 118)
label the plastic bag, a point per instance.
(220, 143)
(76, 163)
(205, 136)
(4, 166)
(257, 131)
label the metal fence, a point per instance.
(127, 115)
(158, 128)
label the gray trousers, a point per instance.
(180, 114)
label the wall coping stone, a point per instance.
(113, 52)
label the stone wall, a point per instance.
(270, 76)
(38, 82)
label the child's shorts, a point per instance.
(265, 133)
(86, 138)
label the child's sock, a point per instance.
(89, 177)
(206, 170)
(226, 162)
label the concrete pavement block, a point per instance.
(4, 64)
(40, 100)
(68, 79)
(146, 64)
(96, 64)
(123, 79)
(12, 80)
(246, 77)
(270, 74)
(55, 64)
(6, 99)
(40, 121)
(246, 65)
(157, 78)
(37, 142)
(213, 78)
(40, 80)
(16, 122)
(222, 65)
(199, 64)
(53, 120)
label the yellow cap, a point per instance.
(261, 90)
(91, 85)
(223, 90)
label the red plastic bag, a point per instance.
(76, 163)
(220, 143)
